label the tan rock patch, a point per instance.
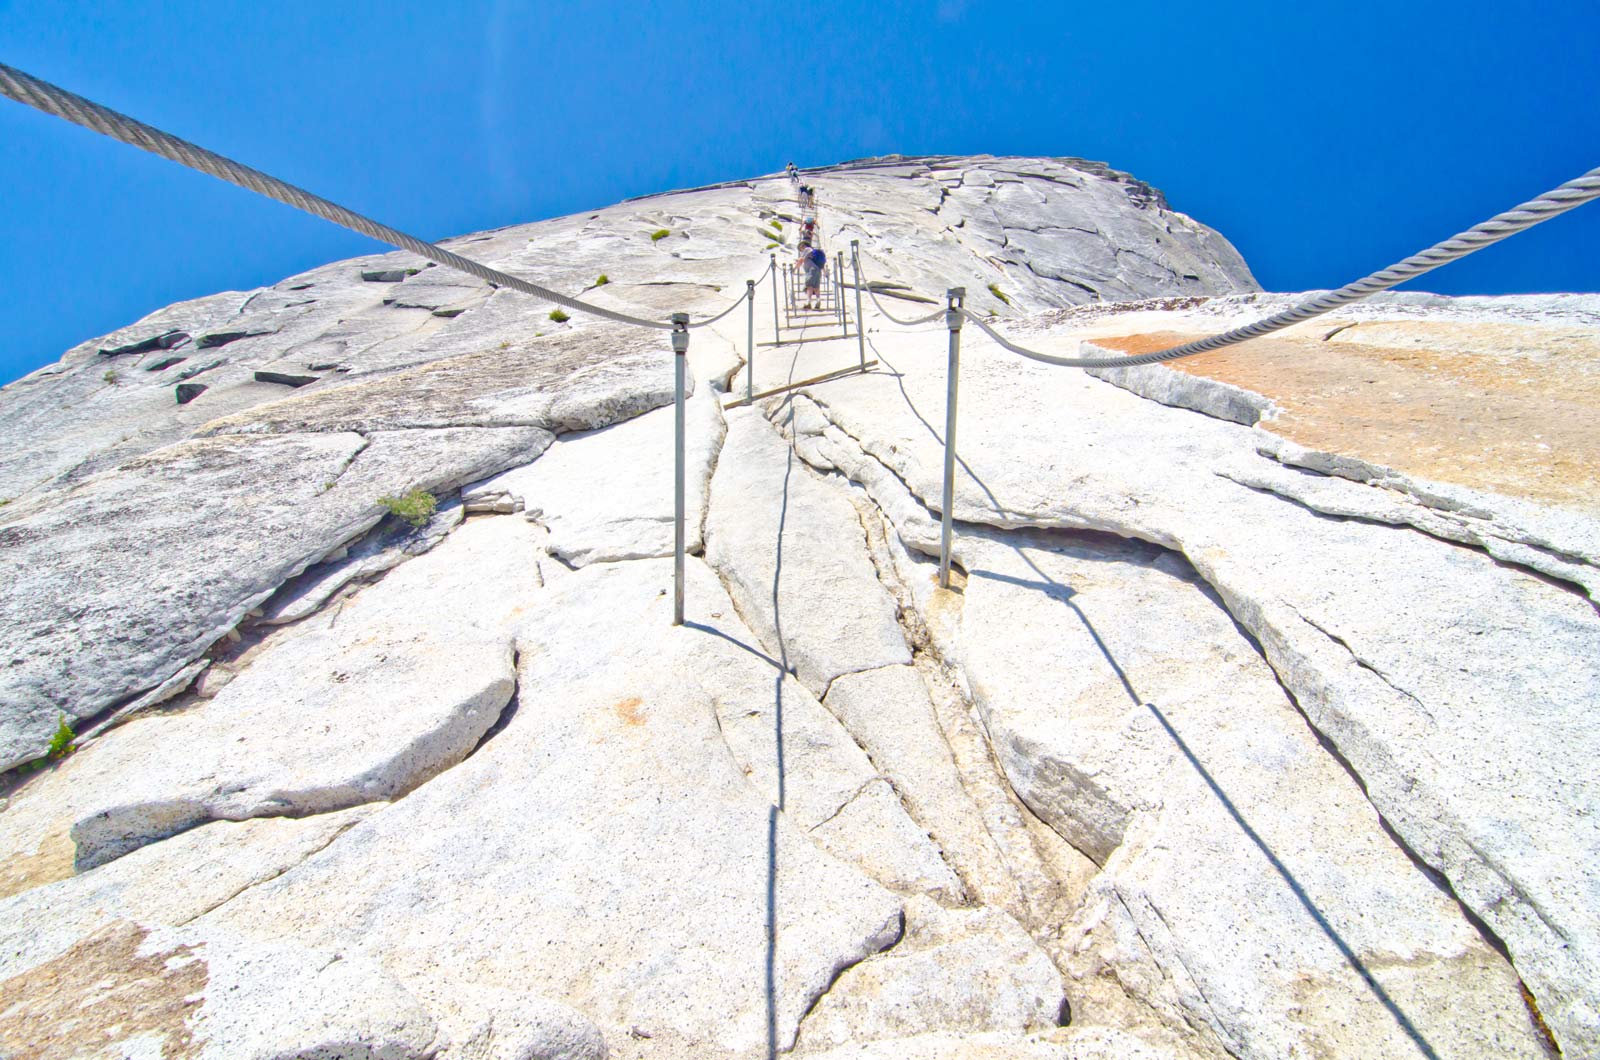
(52, 860)
(100, 992)
(1506, 408)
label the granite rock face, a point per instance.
(1256, 721)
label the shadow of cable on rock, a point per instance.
(937, 435)
(777, 728)
(1065, 593)
(781, 670)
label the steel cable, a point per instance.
(866, 285)
(936, 314)
(736, 304)
(1568, 196)
(50, 99)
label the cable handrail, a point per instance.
(1553, 203)
(56, 101)
(749, 292)
(68, 106)
(873, 294)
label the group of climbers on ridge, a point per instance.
(812, 259)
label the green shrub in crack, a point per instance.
(61, 745)
(558, 316)
(111, 376)
(659, 234)
(603, 280)
(994, 289)
(416, 507)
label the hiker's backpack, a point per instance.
(818, 258)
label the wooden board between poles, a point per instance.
(823, 378)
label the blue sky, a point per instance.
(1325, 140)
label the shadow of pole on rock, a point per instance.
(899, 380)
(1052, 588)
(777, 728)
(712, 631)
(1299, 892)
(772, 932)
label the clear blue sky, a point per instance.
(1323, 139)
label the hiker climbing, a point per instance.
(793, 171)
(812, 260)
(808, 200)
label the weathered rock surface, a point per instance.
(888, 711)
(401, 684)
(49, 911)
(1401, 650)
(1086, 1043)
(1045, 232)
(954, 971)
(1131, 715)
(193, 992)
(814, 599)
(808, 765)
(389, 544)
(629, 867)
(581, 381)
(216, 525)
(607, 495)
(1218, 729)
(1472, 417)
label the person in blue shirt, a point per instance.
(812, 260)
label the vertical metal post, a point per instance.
(838, 294)
(954, 298)
(750, 338)
(680, 351)
(861, 321)
(775, 335)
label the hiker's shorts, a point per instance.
(813, 275)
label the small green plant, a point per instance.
(505, 345)
(416, 507)
(994, 289)
(603, 280)
(558, 316)
(777, 224)
(659, 234)
(111, 376)
(61, 744)
(769, 246)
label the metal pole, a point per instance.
(861, 321)
(750, 338)
(838, 294)
(775, 335)
(680, 350)
(954, 297)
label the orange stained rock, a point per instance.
(101, 993)
(1501, 407)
